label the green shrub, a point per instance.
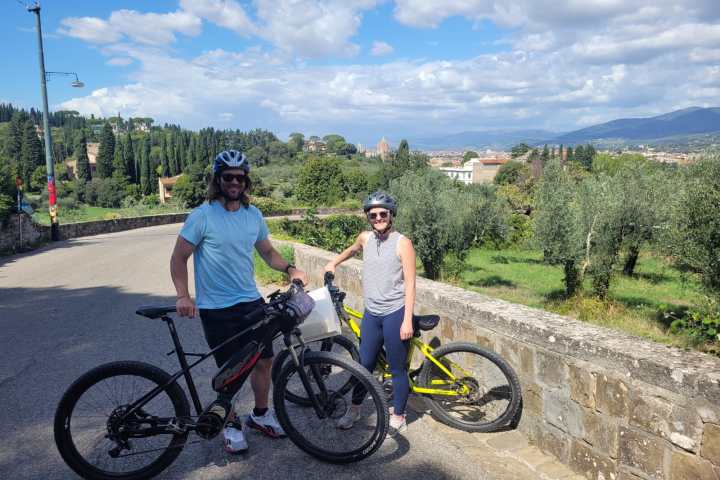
(7, 206)
(334, 233)
(267, 275)
(271, 206)
(700, 327)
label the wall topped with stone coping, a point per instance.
(33, 233)
(609, 405)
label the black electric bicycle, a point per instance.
(130, 420)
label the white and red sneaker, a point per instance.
(234, 438)
(266, 424)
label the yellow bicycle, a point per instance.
(464, 385)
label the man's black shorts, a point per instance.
(221, 324)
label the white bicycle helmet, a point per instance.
(230, 159)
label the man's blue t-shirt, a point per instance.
(223, 257)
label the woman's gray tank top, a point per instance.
(383, 282)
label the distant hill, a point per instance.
(679, 126)
(481, 140)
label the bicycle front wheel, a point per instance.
(97, 445)
(339, 344)
(483, 393)
(316, 432)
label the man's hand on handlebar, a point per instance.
(299, 275)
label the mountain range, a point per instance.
(694, 126)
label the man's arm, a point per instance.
(275, 261)
(179, 273)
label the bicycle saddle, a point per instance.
(154, 312)
(425, 322)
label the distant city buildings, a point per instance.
(476, 170)
(92, 152)
(383, 149)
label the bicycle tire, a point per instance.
(361, 375)
(344, 344)
(436, 403)
(65, 441)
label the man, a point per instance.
(222, 233)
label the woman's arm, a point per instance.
(347, 253)
(407, 257)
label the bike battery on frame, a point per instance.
(233, 373)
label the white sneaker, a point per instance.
(234, 438)
(397, 424)
(266, 424)
(351, 416)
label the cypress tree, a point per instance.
(106, 152)
(30, 152)
(131, 160)
(119, 165)
(164, 157)
(145, 167)
(82, 164)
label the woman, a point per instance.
(389, 294)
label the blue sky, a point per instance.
(366, 68)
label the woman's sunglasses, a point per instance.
(375, 215)
(229, 177)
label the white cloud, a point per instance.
(119, 61)
(312, 28)
(145, 28)
(381, 48)
(225, 13)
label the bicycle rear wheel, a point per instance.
(485, 395)
(338, 344)
(318, 435)
(92, 440)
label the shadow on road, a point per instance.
(52, 336)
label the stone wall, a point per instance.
(19, 232)
(33, 234)
(609, 405)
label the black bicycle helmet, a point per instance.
(381, 200)
(230, 159)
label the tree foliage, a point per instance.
(320, 181)
(106, 152)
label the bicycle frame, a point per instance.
(245, 370)
(351, 318)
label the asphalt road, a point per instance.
(70, 306)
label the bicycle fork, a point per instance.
(320, 408)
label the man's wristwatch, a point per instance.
(289, 266)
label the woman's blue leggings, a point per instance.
(374, 331)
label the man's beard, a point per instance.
(231, 198)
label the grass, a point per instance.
(266, 275)
(634, 304)
(87, 213)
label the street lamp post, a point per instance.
(52, 197)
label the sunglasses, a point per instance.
(229, 177)
(375, 215)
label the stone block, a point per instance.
(518, 355)
(660, 416)
(563, 412)
(486, 341)
(642, 452)
(602, 433)
(532, 398)
(709, 387)
(711, 443)
(549, 439)
(582, 386)
(612, 396)
(551, 369)
(591, 462)
(684, 465)
(508, 441)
